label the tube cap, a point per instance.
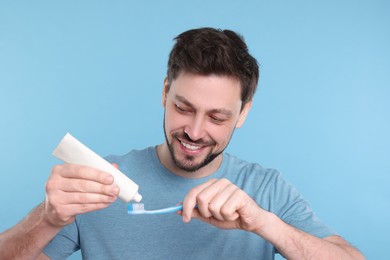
(137, 197)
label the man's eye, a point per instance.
(180, 109)
(217, 119)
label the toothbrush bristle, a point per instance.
(136, 207)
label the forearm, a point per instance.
(296, 244)
(27, 239)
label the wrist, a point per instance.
(267, 225)
(54, 217)
(45, 219)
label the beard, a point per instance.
(189, 163)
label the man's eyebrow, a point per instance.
(223, 111)
(183, 100)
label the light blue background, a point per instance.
(96, 68)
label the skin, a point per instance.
(201, 113)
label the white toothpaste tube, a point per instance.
(72, 151)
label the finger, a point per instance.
(215, 222)
(87, 186)
(68, 211)
(230, 209)
(75, 171)
(208, 194)
(217, 205)
(83, 198)
(190, 199)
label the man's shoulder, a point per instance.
(134, 159)
(247, 166)
(132, 154)
(250, 171)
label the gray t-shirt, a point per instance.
(113, 234)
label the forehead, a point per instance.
(207, 91)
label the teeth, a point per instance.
(191, 147)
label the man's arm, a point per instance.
(27, 239)
(224, 205)
(296, 244)
(70, 190)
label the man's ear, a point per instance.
(165, 92)
(243, 114)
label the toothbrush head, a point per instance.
(136, 208)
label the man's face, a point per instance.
(201, 113)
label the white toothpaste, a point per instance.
(72, 151)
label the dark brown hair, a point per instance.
(208, 51)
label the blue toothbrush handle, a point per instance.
(166, 210)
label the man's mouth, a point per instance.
(190, 146)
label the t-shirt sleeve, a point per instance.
(293, 209)
(64, 244)
(278, 196)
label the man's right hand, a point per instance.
(75, 189)
(70, 190)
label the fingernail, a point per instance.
(186, 219)
(109, 178)
(114, 190)
(112, 198)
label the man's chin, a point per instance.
(189, 167)
(191, 164)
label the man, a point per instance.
(245, 211)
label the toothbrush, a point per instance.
(139, 208)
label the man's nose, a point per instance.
(195, 129)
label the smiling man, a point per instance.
(244, 211)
